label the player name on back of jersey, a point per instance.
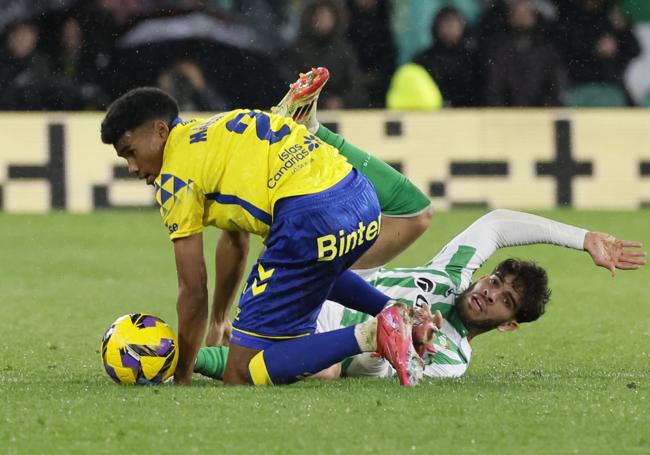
(329, 247)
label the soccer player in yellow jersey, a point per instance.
(405, 210)
(248, 171)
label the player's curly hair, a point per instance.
(134, 108)
(531, 281)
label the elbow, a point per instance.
(193, 293)
(192, 304)
(490, 222)
(496, 214)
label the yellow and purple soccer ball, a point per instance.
(139, 348)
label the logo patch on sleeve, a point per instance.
(170, 190)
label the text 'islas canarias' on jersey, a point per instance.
(294, 158)
(331, 246)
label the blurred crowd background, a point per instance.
(219, 54)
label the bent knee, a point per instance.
(419, 224)
(424, 219)
(238, 366)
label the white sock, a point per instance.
(366, 335)
(313, 124)
(313, 127)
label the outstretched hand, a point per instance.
(609, 252)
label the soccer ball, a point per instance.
(139, 348)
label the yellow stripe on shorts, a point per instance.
(258, 371)
(257, 335)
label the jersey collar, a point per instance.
(175, 122)
(454, 319)
(450, 313)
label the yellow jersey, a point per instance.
(229, 171)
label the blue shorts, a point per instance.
(313, 239)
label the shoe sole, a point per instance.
(409, 365)
(302, 94)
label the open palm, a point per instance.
(611, 253)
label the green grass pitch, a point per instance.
(577, 381)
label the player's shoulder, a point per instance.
(181, 124)
(197, 132)
(183, 137)
(199, 124)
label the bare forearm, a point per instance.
(230, 257)
(192, 304)
(192, 310)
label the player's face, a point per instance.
(489, 302)
(142, 148)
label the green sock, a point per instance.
(211, 361)
(397, 195)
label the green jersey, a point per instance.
(435, 285)
(440, 281)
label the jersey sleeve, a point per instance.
(181, 206)
(461, 257)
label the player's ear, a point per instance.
(161, 129)
(508, 326)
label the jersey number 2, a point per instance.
(262, 126)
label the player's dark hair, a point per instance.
(531, 281)
(134, 108)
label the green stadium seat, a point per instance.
(596, 95)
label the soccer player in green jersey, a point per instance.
(515, 292)
(443, 284)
